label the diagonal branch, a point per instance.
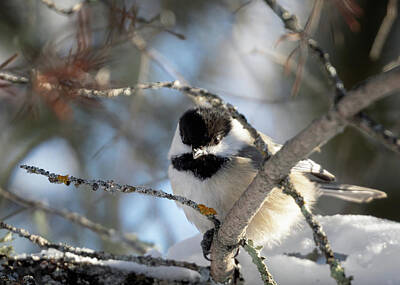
(320, 238)
(111, 186)
(279, 165)
(12, 78)
(377, 131)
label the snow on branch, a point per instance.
(50, 267)
(111, 186)
(130, 240)
(143, 260)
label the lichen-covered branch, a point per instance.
(279, 165)
(111, 186)
(144, 260)
(258, 260)
(320, 238)
(129, 240)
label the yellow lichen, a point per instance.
(206, 211)
(64, 179)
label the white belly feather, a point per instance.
(278, 214)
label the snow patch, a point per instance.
(369, 248)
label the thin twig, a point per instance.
(291, 23)
(387, 23)
(111, 186)
(139, 42)
(13, 78)
(258, 260)
(377, 131)
(64, 11)
(144, 260)
(198, 95)
(320, 238)
(13, 214)
(130, 239)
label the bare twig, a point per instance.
(13, 78)
(279, 165)
(362, 120)
(144, 260)
(377, 131)
(387, 23)
(139, 42)
(198, 95)
(291, 23)
(64, 11)
(111, 186)
(128, 239)
(14, 213)
(258, 260)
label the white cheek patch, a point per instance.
(177, 146)
(237, 138)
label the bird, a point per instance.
(213, 160)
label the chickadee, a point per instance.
(213, 160)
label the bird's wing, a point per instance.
(351, 193)
(326, 180)
(309, 168)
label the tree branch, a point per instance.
(258, 260)
(144, 260)
(320, 238)
(278, 166)
(362, 121)
(63, 269)
(377, 131)
(12, 78)
(111, 186)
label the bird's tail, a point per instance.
(351, 193)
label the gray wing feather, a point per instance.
(351, 193)
(325, 180)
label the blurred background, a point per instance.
(232, 48)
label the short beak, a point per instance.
(197, 152)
